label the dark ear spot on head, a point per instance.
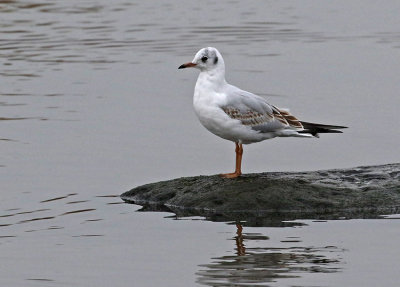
(215, 60)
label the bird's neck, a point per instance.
(213, 79)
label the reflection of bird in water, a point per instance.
(240, 247)
(240, 116)
(260, 265)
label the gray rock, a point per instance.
(340, 192)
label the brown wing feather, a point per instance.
(248, 118)
(253, 118)
(289, 118)
(278, 115)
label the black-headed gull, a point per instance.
(240, 116)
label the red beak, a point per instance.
(187, 65)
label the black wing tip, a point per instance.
(315, 129)
(339, 127)
(308, 125)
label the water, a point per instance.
(92, 104)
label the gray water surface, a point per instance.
(92, 104)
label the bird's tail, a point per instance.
(315, 129)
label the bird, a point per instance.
(240, 116)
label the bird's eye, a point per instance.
(204, 59)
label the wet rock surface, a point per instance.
(338, 192)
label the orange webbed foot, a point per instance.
(230, 175)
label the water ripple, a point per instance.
(78, 211)
(58, 198)
(36, 219)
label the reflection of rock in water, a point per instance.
(262, 265)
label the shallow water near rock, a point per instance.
(92, 104)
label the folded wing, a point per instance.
(254, 111)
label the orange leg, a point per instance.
(238, 169)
